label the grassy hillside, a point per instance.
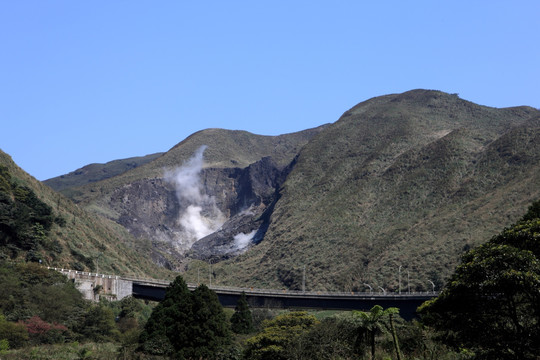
(407, 180)
(96, 172)
(58, 232)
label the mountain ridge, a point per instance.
(97, 172)
(399, 181)
(381, 163)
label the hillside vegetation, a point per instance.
(37, 223)
(408, 180)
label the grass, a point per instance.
(72, 351)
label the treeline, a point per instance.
(192, 325)
(43, 312)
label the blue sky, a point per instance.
(94, 81)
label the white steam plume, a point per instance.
(201, 216)
(242, 240)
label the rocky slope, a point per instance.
(210, 190)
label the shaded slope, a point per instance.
(409, 179)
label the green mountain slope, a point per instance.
(406, 180)
(96, 172)
(37, 223)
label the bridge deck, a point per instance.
(258, 298)
(152, 289)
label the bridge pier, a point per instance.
(95, 286)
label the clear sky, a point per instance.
(94, 81)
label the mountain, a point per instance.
(391, 193)
(406, 180)
(38, 224)
(230, 189)
(96, 172)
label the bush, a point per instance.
(278, 334)
(330, 339)
(15, 334)
(41, 332)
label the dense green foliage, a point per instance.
(13, 335)
(28, 288)
(210, 327)
(273, 341)
(492, 302)
(25, 220)
(186, 325)
(298, 335)
(334, 337)
(372, 325)
(40, 306)
(242, 319)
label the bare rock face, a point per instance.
(232, 238)
(222, 219)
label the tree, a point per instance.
(98, 324)
(186, 325)
(130, 307)
(533, 212)
(41, 332)
(210, 331)
(278, 334)
(372, 323)
(242, 320)
(491, 304)
(167, 324)
(333, 338)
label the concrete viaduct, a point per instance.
(93, 286)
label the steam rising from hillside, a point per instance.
(241, 240)
(199, 215)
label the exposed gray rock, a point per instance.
(151, 208)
